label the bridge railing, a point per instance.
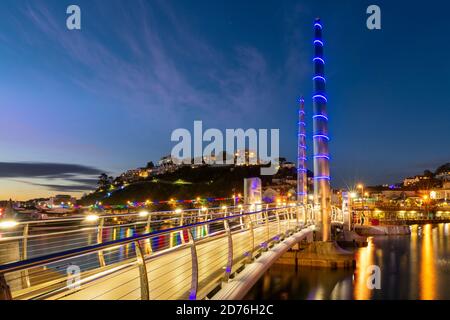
(183, 262)
(30, 239)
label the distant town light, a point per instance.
(8, 224)
(92, 218)
(143, 213)
(178, 211)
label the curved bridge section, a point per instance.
(237, 288)
(189, 261)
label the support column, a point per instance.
(322, 190)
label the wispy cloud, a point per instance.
(63, 187)
(61, 177)
(44, 170)
(169, 72)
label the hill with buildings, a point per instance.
(183, 182)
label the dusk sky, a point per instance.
(107, 98)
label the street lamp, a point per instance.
(143, 213)
(361, 187)
(8, 224)
(92, 218)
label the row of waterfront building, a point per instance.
(168, 164)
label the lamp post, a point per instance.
(361, 187)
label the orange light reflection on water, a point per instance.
(364, 259)
(427, 266)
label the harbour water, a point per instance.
(416, 266)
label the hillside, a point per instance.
(185, 183)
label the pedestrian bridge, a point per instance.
(193, 254)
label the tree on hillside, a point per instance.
(443, 168)
(104, 181)
(428, 173)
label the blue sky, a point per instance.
(107, 98)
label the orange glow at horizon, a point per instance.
(22, 191)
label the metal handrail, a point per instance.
(22, 230)
(29, 245)
(246, 233)
(63, 255)
(120, 215)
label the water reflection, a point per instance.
(364, 259)
(427, 265)
(412, 267)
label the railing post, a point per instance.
(277, 213)
(194, 275)
(288, 214)
(145, 291)
(198, 229)
(305, 215)
(241, 211)
(149, 221)
(207, 225)
(101, 258)
(5, 291)
(252, 238)
(229, 266)
(148, 242)
(24, 274)
(267, 229)
(181, 233)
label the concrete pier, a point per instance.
(320, 254)
(350, 239)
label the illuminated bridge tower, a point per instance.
(302, 196)
(322, 190)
